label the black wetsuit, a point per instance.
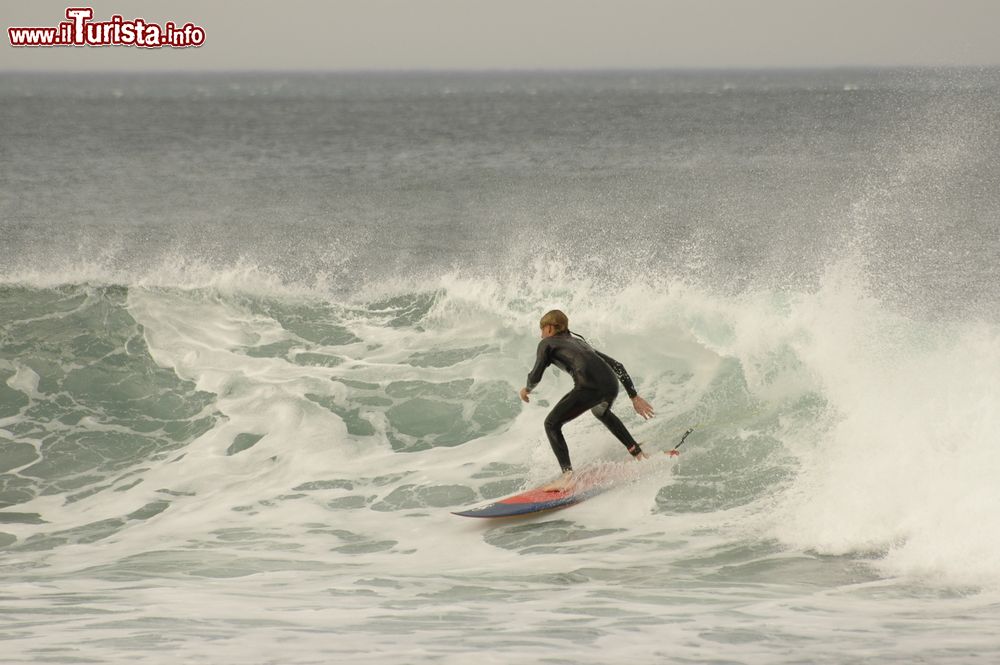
(595, 387)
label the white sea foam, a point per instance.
(896, 461)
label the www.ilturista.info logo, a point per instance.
(79, 30)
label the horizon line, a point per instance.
(522, 70)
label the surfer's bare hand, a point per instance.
(642, 407)
(524, 395)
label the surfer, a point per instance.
(595, 387)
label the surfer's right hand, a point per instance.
(524, 395)
(642, 407)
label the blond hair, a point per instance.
(555, 318)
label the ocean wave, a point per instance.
(824, 419)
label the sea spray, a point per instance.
(245, 379)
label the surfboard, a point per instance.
(587, 483)
(537, 500)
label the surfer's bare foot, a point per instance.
(560, 484)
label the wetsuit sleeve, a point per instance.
(620, 372)
(542, 360)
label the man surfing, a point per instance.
(595, 387)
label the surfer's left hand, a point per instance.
(642, 407)
(524, 394)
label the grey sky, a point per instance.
(530, 34)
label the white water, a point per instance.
(879, 520)
(242, 385)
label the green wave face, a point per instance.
(82, 402)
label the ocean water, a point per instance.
(261, 334)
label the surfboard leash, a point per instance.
(674, 452)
